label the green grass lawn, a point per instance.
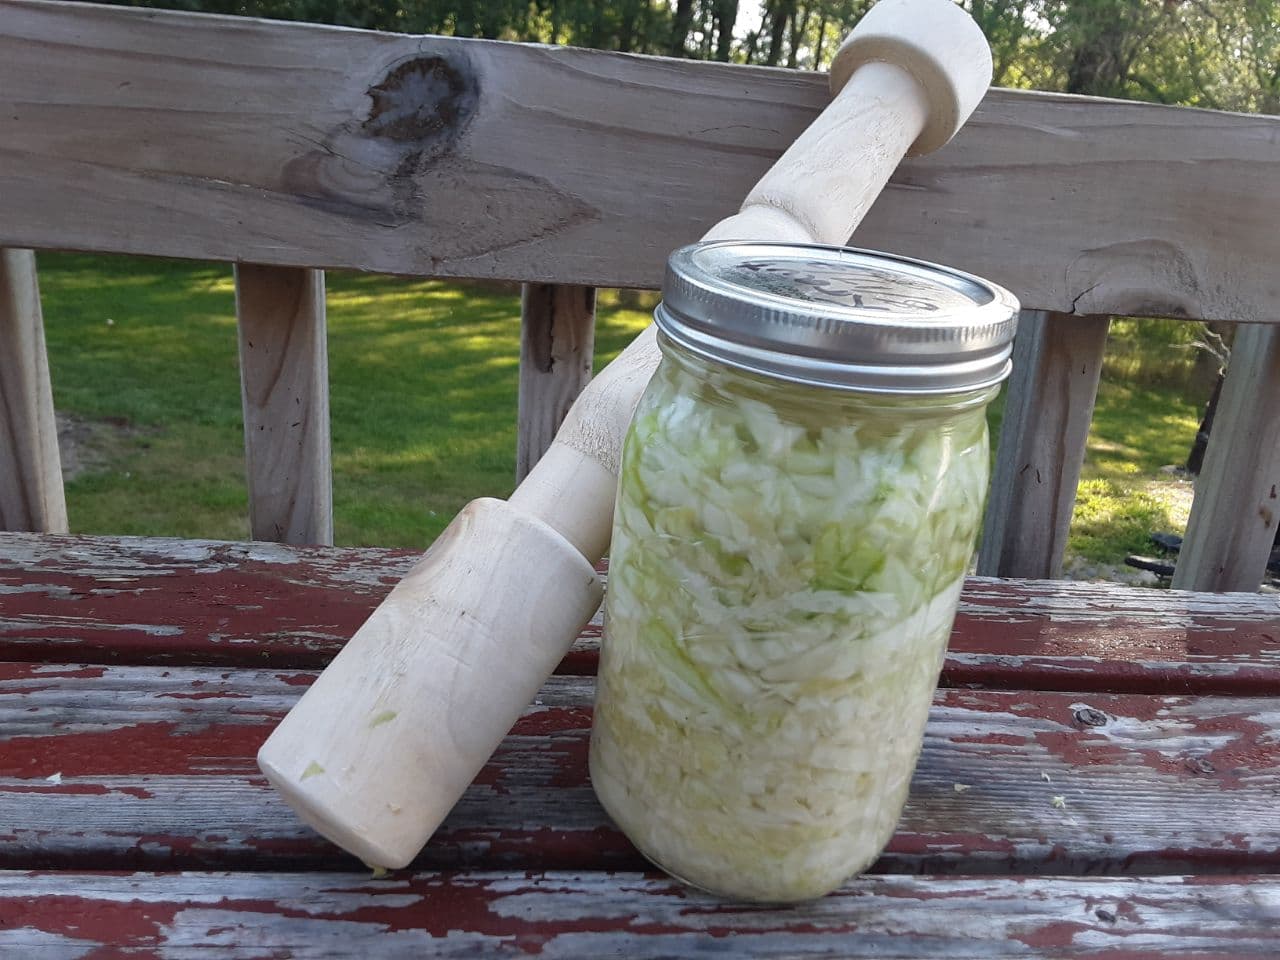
(423, 378)
(423, 381)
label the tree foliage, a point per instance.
(1223, 54)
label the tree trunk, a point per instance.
(596, 35)
(1195, 459)
(726, 18)
(782, 12)
(630, 12)
(680, 27)
(464, 22)
(798, 27)
(822, 40)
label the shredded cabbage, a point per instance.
(785, 569)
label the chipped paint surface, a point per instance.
(1089, 730)
(1151, 784)
(153, 600)
(594, 914)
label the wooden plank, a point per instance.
(1054, 635)
(285, 144)
(145, 599)
(557, 343)
(1048, 408)
(284, 389)
(154, 769)
(591, 915)
(31, 495)
(1236, 509)
(162, 601)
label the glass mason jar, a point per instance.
(800, 493)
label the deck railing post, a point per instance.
(31, 494)
(284, 380)
(1057, 360)
(1236, 507)
(557, 340)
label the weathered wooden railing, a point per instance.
(287, 149)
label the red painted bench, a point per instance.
(1100, 777)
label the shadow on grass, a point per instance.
(423, 378)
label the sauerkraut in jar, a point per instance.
(800, 494)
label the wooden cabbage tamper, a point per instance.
(381, 747)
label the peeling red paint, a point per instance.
(296, 679)
(544, 721)
(1053, 936)
(533, 809)
(127, 924)
(142, 748)
(299, 609)
(49, 673)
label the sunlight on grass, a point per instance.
(1136, 430)
(423, 378)
(1112, 521)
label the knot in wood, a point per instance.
(1089, 717)
(1200, 765)
(427, 101)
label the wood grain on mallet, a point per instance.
(557, 343)
(31, 494)
(284, 380)
(1237, 506)
(1049, 404)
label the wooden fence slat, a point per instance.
(1236, 509)
(301, 145)
(1057, 360)
(284, 388)
(152, 600)
(557, 344)
(563, 916)
(153, 767)
(31, 494)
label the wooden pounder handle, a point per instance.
(382, 746)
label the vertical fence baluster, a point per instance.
(557, 340)
(1236, 507)
(1049, 405)
(284, 380)
(31, 494)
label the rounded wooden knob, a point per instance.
(938, 44)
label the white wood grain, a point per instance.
(386, 741)
(557, 344)
(284, 391)
(569, 166)
(1057, 360)
(1236, 509)
(31, 494)
(245, 916)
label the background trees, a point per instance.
(1223, 54)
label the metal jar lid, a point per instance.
(838, 317)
